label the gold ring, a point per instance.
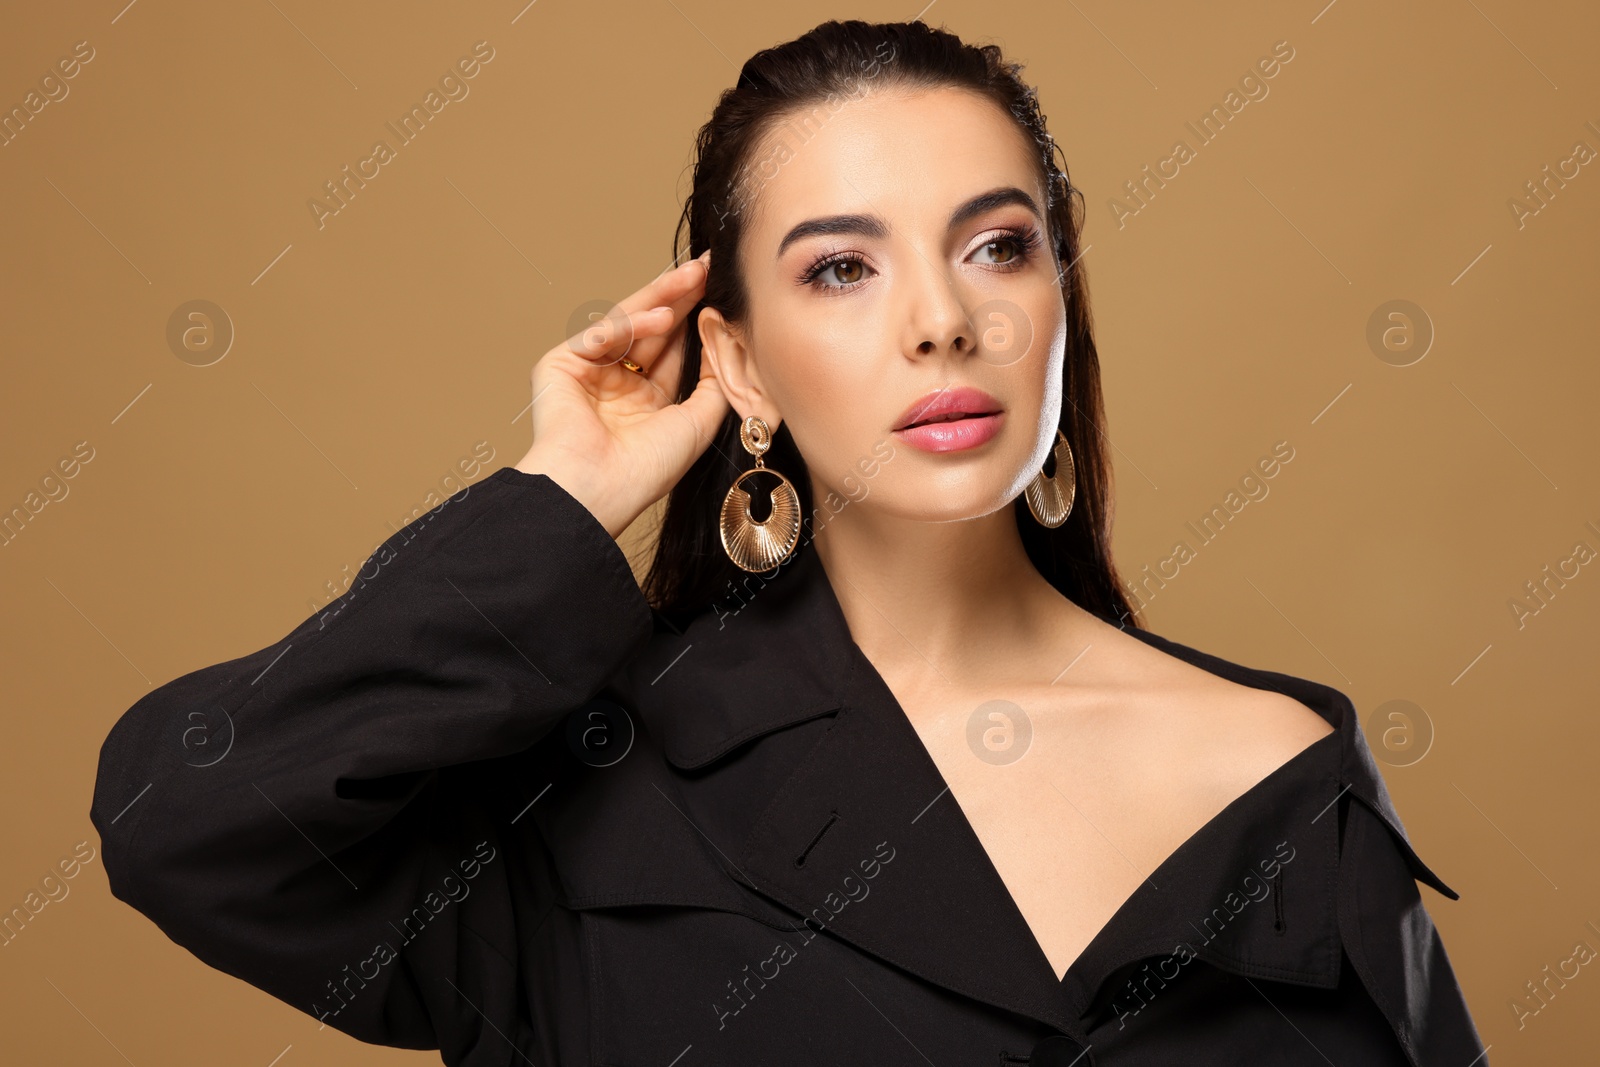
(631, 365)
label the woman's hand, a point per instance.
(611, 437)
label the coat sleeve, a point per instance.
(1394, 946)
(288, 814)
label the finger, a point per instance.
(607, 340)
(702, 412)
(665, 365)
(651, 351)
(668, 287)
(649, 345)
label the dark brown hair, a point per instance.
(691, 572)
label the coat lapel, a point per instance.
(867, 789)
(1251, 892)
(938, 909)
(782, 655)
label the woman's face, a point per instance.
(881, 269)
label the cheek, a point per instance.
(1049, 316)
(1046, 357)
(833, 401)
(835, 419)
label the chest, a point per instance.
(687, 877)
(1073, 812)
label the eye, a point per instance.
(841, 272)
(1006, 245)
(1019, 246)
(839, 266)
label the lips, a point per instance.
(950, 417)
(950, 404)
(951, 435)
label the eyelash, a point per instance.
(1026, 241)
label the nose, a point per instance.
(955, 340)
(937, 318)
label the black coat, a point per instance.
(489, 803)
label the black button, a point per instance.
(1059, 1051)
(600, 733)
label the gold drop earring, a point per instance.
(1050, 499)
(759, 546)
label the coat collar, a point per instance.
(940, 909)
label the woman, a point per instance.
(883, 769)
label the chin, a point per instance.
(936, 503)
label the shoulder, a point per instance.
(1208, 714)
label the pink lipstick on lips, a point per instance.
(950, 419)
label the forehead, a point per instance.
(907, 154)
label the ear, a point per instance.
(723, 346)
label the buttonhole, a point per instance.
(800, 860)
(1277, 902)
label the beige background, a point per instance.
(374, 353)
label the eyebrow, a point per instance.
(874, 227)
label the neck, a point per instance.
(949, 602)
